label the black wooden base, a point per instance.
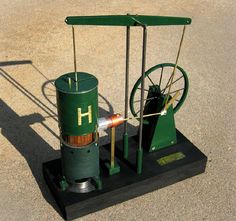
(158, 172)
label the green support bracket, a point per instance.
(158, 131)
(112, 169)
(164, 134)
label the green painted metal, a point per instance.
(70, 97)
(77, 104)
(98, 182)
(159, 132)
(139, 160)
(80, 163)
(112, 170)
(164, 134)
(63, 184)
(154, 68)
(126, 146)
(127, 20)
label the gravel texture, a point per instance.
(36, 47)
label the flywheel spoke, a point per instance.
(144, 89)
(175, 91)
(167, 86)
(148, 99)
(161, 76)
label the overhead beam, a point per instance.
(127, 20)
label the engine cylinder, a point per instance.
(77, 104)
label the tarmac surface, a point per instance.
(36, 47)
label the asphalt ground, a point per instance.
(36, 47)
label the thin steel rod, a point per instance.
(157, 113)
(143, 89)
(175, 91)
(142, 86)
(161, 77)
(144, 116)
(74, 51)
(172, 83)
(167, 85)
(137, 112)
(127, 77)
(151, 98)
(176, 63)
(151, 80)
(168, 104)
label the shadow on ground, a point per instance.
(17, 130)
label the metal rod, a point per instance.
(125, 136)
(142, 85)
(137, 112)
(152, 82)
(144, 116)
(175, 91)
(176, 63)
(151, 98)
(140, 149)
(157, 113)
(127, 76)
(161, 77)
(113, 137)
(167, 105)
(143, 89)
(167, 86)
(74, 51)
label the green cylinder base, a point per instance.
(80, 163)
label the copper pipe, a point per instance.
(79, 141)
(110, 121)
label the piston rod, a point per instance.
(176, 64)
(139, 160)
(74, 51)
(125, 136)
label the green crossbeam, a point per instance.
(127, 20)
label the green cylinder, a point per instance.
(77, 103)
(80, 163)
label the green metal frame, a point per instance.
(138, 82)
(127, 20)
(132, 20)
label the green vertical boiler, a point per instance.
(77, 104)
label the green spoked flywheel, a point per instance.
(159, 76)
